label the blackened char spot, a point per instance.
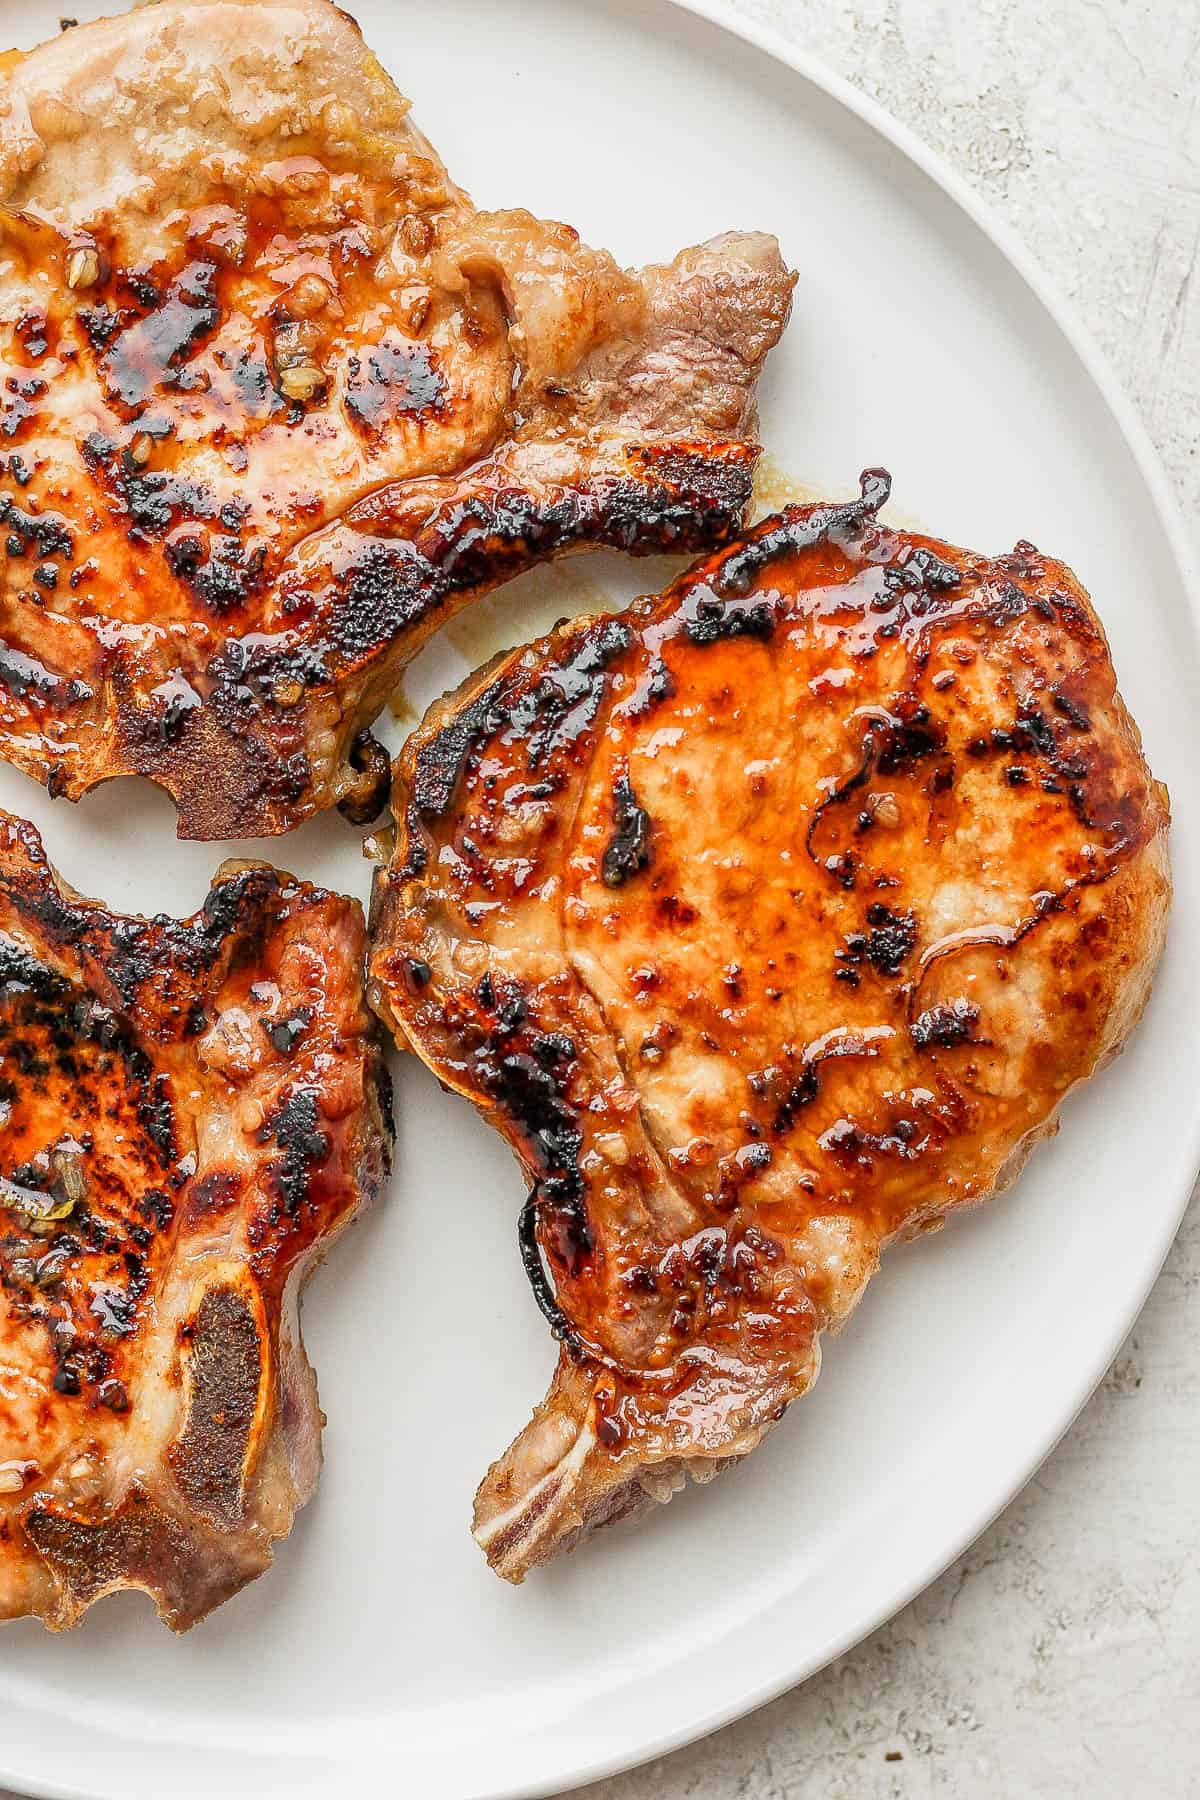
(142, 357)
(945, 1025)
(709, 619)
(392, 380)
(564, 702)
(257, 394)
(802, 1092)
(390, 586)
(629, 849)
(796, 531)
(891, 747)
(22, 675)
(890, 938)
(18, 401)
(914, 735)
(561, 704)
(219, 570)
(100, 323)
(21, 971)
(528, 1073)
(1076, 714)
(47, 530)
(285, 1034)
(440, 761)
(295, 1128)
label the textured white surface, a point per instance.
(1058, 1657)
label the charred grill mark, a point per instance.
(152, 352)
(737, 572)
(528, 1073)
(392, 381)
(629, 849)
(20, 970)
(560, 706)
(72, 1258)
(294, 1128)
(390, 586)
(216, 567)
(1075, 714)
(670, 501)
(138, 954)
(563, 705)
(441, 759)
(22, 675)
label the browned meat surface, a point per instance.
(767, 922)
(189, 1112)
(275, 400)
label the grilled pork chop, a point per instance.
(769, 921)
(275, 400)
(189, 1112)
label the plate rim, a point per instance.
(771, 43)
(1168, 512)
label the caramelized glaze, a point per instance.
(275, 402)
(189, 1111)
(769, 921)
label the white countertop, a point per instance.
(1059, 1657)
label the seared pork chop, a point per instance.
(189, 1112)
(275, 400)
(767, 922)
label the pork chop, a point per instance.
(767, 922)
(276, 400)
(189, 1112)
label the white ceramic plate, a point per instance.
(380, 1651)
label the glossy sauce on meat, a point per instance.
(275, 401)
(768, 921)
(189, 1112)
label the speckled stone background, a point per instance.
(1061, 1656)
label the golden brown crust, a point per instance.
(768, 922)
(189, 1112)
(276, 400)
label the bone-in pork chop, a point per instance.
(767, 922)
(189, 1112)
(275, 400)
